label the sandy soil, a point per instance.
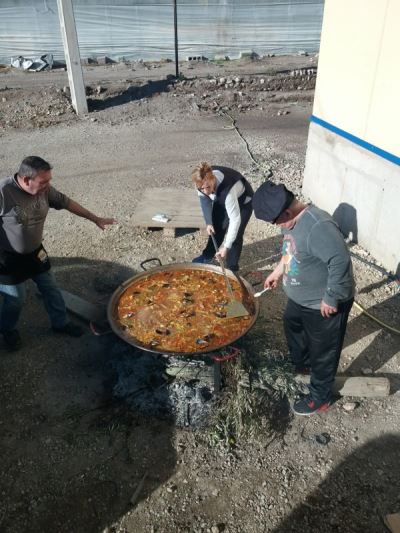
(74, 459)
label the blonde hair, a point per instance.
(201, 173)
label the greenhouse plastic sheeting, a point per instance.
(145, 29)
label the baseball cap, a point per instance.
(270, 200)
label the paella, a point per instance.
(182, 311)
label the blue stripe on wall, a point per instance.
(356, 140)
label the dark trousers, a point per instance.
(220, 221)
(317, 342)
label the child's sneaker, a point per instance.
(306, 406)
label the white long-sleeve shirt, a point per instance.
(231, 206)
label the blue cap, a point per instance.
(270, 200)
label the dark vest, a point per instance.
(230, 178)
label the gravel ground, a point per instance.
(76, 460)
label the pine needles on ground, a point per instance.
(247, 412)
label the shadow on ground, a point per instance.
(73, 457)
(150, 89)
(356, 496)
(384, 346)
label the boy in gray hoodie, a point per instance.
(318, 280)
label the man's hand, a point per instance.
(103, 222)
(272, 280)
(327, 310)
(222, 253)
(210, 229)
(80, 211)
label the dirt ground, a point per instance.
(74, 459)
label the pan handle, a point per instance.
(148, 261)
(100, 329)
(221, 358)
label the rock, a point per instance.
(4, 99)
(221, 57)
(349, 406)
(322, 438)
(85, 61)
(104, 60)
(249, 55)
(366, 371)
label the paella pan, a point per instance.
(180, 309)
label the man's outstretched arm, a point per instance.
(81, 211)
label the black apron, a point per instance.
(16, 268)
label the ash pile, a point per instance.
(174, 388)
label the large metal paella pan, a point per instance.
(180, 309)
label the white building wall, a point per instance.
(353, 154)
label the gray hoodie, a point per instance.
(317, 264)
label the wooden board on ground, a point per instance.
(181, 206)
(84, 309)
(362, 387)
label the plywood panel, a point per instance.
(182, 206)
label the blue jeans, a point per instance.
(15, 295)
(220, 222)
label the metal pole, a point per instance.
(176, 39)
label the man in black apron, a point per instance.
(25, 200)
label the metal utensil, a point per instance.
(258, 294)
(234, 307)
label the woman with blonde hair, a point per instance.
(225, 199)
